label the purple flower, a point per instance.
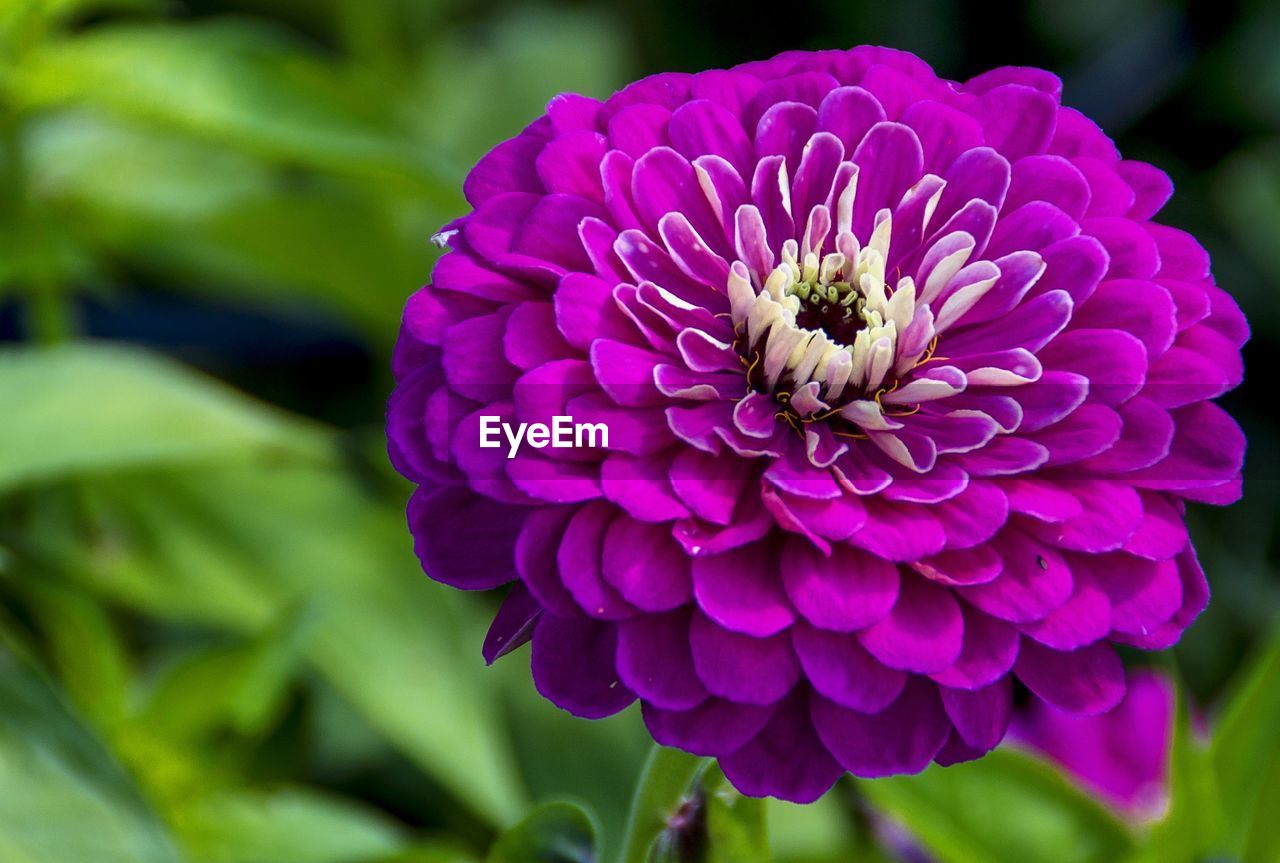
(1123, 754)
(905, 397)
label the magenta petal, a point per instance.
(1114, 361)
(655, 662)
(1110, 513)
(513, 624)
(900, 531)
(1207, 449)
(799, 87)
(464, 540)
(990, 648)
(1037, 79)
(847, 113)
(1085, 681)
(664, 182)
(981, 716)
(1087, 431)
(508, 167)
(842, 670)
(973, 516)
(1151, 187)
(1143, 594)
(786, 759)
(708, 485)
(549, 232)
(578, 562)
(473, 359)
(1042, 499)
(1075, 265)
(1082, 619)
(976, 565)
(535, 557)
(1162, 534)
(1145, 438)
(1077, 135)
(645, 565)
(1035, 580)
(1005, 456)
(903, 738)
(639, 485)
(728, 87)
(944, 132)
(740, 591)
(1111, 195)
(573, 666)
(626, 372)
(702, 128)
(571, 112)
(1134, 254)
(571, 164)
(1017, 120)
(1195, 596)
(896, 89)
(637, 129)
(844, 592)
(586, 311)
(891, 161)
(837, 519)
(531, 338)
(715, 727)
(980, 174)
(1049, 178)
(741, 668)
(923, 633)
(956, 751)
(1181, 255)
(1133, 305)
(552, 480)
(783, 131)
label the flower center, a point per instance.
(825, 323)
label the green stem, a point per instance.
(664, 784)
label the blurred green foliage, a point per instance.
(215, 643)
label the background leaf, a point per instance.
(290, 824)
(551, 833)
(138, 408)
(1005, 807)
(1246, 753)
(62, 795)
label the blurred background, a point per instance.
(215, 644)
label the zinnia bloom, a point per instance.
(906, 394)
(1122, 755)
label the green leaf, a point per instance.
(664, 786)
(1006, 806)
(86, 408)
(237, 545)
(288, 824)
(86, 649)
(562, 756)
(817, 831)
(239, 687)
(208, 220)
(1192, 828)
(558, 832)
(235, 83)
(62, 796)
(735, 824)
(1246, 753)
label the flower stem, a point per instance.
(665, 782)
